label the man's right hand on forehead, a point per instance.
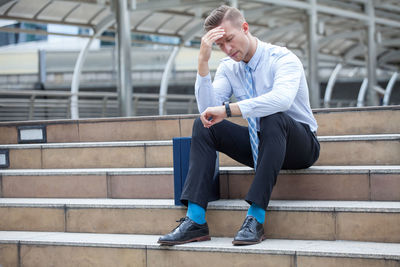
(206, 47)
(208, 39)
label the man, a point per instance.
(269, 83)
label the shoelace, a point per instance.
(249, 223)
(181, 220)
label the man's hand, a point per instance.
(206, 47)
(213, 115)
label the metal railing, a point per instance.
(43, 105)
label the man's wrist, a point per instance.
(235, 109)
(227, 109)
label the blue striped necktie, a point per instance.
(250, 93)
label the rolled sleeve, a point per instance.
(246, 108)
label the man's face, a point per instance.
(235, 42)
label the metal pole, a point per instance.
(389, 88)
(164, 80)
(330, 85)
(233, 3)
(372, 97)
(167, 71)
(124, 58)
(361, 93)
(313, 55)
(103, 25)
(42, 66)
(75, 80)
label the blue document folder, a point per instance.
(181, 156)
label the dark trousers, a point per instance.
(284, 144)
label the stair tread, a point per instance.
(363, 137)
(223, 170)
(354, 249)
(337, 138)
(224, 204)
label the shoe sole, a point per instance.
(196, 239)
(239, 242)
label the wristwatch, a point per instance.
(227, 109)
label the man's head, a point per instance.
(223, 13)
(237, 42)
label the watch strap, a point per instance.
(227, 109)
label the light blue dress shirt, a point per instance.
(278, 78)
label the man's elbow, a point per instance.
(285, 104)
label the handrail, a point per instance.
(91, 94)
(39, 104)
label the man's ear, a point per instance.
(245, 27)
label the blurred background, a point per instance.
(75, 59)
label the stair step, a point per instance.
(316, 182)
(367, 120)
(331, 122)
(322, 220)
(108, 188)
(335, 150)
(60, 249)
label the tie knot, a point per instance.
(247, 68)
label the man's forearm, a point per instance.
(235, 110)
(203, 68)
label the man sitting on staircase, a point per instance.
(269, 83)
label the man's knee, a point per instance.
(198, 128)
(273, 120)
(197, 124)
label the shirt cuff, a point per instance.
(204, 78)
(245, 108)
(201, 81)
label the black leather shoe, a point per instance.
(251, 232)
(187, 231)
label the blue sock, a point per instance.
(257, 212)
(196, 213)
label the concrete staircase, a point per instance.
(100, 193)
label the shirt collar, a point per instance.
(255, 59)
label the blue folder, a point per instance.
(181, 155)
